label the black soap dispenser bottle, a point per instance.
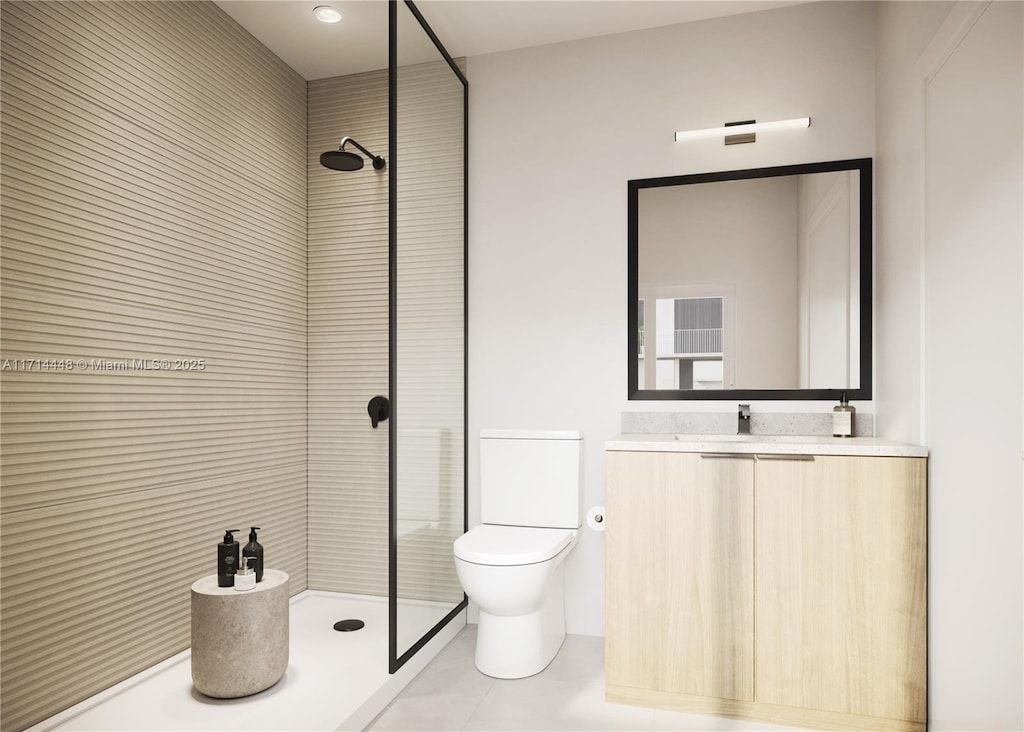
(254, 550)
(227, 559)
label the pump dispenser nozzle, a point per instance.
(245, 578)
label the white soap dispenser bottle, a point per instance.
(245, 577)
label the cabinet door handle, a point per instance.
(779, 456)
(730, 455)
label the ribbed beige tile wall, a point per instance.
(154, 208)
(348, 338)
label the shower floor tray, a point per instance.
(334, 680)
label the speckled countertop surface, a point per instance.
(766, 444)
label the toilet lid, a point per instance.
(511, 545)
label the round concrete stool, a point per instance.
(239, 639)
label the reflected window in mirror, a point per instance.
(688, 338)
(747, 284)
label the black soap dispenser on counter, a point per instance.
(227, 559)
(254, 551)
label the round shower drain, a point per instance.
(351, 624)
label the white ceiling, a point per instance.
(466, 27)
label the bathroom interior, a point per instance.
(203, 320)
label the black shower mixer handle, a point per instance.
(379, 410)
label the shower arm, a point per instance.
(366, 152)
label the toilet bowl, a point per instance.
(515, 575)
(512, 566)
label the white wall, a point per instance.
(555, 133)
(951, 187)
(904, 29)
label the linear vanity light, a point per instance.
(740, 132)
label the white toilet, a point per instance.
(512, 565)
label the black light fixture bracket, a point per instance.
(742, 137)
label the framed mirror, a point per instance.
(751, 284)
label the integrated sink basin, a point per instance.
(785, 439)
(761, 445)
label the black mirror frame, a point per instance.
(863, 392)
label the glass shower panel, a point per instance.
(427, 166)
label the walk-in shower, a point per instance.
(214, 333)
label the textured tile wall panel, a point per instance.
(154, 207)
(348, 339)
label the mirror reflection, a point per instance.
(750, 282)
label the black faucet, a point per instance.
(744, 420)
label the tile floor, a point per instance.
(450, 694)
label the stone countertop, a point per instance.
(765, 444)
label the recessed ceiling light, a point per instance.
(326, 14)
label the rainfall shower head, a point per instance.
(340, 159)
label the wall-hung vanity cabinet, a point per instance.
(768, 580)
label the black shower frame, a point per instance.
(396, 661)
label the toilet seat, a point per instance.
(505, 546)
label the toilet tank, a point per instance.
(531, 478)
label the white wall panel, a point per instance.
(949, 275)
(972, 359)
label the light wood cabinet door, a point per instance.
(840, 584)
(679, 573)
